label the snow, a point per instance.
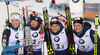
(32, 5)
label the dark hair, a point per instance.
(78, 20)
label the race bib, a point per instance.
(84, 48)
(59, 46)
(36, 43)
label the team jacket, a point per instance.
(85, 41)
(9, 42)
(35, 35)
(60, 39)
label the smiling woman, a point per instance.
(59, 37)
(10, 36)
(15, 20)
(84, 37)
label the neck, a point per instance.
(15, 29)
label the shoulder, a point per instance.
(87, 25)
(92, 31)
(6, 28)
(66, 30)
(6, 32)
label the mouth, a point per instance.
(15, 25)
(78, 30)
(54, 30)
(33, 25)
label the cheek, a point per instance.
(51, 28)
(36, 23)
(57, 28)
(31, 23)
(75, 28)
(80, 27)
(18, 22)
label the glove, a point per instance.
(22, 43)
(63, 20)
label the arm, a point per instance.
(5, 41)
(66, 31)
(10, 48)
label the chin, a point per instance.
(16, 27)
(77, 31)
(55, 32)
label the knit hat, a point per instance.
(14, 15)
(54, 21)
(78, 20)
(36, 18)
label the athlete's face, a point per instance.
(55, 28)
(77, 27)
(15, 22)
(34, 23)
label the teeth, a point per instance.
(15, 24)
(54, 29)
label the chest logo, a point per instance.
(62, 32)
(75, 1)
(17, 35)
(35, 34)
(81, 41)
(56, 39)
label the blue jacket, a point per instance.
(7, 50)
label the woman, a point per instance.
(10, 36)
(84, 37)
(59, 37)
(35, 34)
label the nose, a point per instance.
(76, 27)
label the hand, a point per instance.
(22, 43)
(63, 20)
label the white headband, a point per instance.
(77, 18)
(15, 16)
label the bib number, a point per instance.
(59, 46)
(84, 48)
(36, 42)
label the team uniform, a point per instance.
(85, 41)
(60, 41)
(35, 36)
(10, 38)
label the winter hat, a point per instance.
(61, 19)
(14, 15)
(36, 18)
(54, 21)
(78, 20)
(33, 14)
